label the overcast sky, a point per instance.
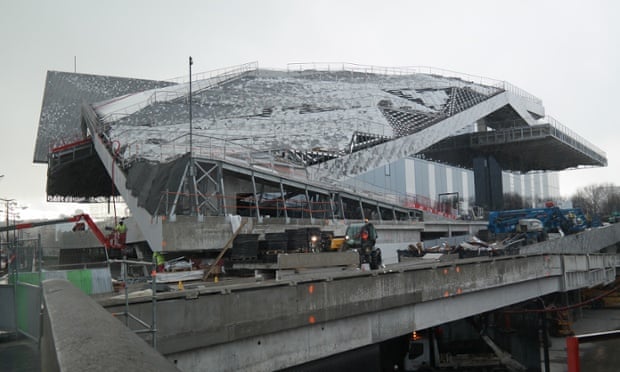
(565, 52)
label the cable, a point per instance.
(564, 308)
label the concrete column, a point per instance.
(488, 183)
(481, 125)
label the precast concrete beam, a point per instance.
(589, 241)
(318, 340)
(205, 317)
(309, 260)
(186, 233)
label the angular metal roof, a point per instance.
(335, 122)
(275, 111)
(64, 94)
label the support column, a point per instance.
(572, 354)
(488, 183)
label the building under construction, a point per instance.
(305, 145)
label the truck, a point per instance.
(424, 354)
(363, 237)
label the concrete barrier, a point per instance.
(79, 335)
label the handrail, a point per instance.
(410, 70)
(245, 67)
(550, 127)
(117, 109)
(564, 133)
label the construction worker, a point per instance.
(159, 260)
(121, 233)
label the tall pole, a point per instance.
(191, 62)
(191, 173)
(7, 206)
(7, 222)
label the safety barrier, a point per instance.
(90, 281)
(562, 132)
(77, 334)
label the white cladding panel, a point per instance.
(419, 177)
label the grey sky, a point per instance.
(565, 52)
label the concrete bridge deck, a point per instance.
(267, 325)
(275, 324)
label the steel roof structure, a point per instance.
(303, 131)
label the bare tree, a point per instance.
(513, 200)
(598, 199)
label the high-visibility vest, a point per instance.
(121, 228)
(159, 258)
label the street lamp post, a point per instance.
(8, 208)
(191, 165)
(191, 155)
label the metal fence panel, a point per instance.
(101, 281)
(7, 309)
(28, 305)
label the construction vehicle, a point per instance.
(362, 237)
(534, 224)
(614, 217)
(424, 355)
(112, 243)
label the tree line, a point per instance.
(600, 200)
(596, 200)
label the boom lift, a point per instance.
(109, 242)
(552, 219)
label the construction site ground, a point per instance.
(598, 357)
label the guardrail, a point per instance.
(242, 68)
(552, 127)
(565, 134)
(124, 106)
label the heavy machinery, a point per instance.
(534, 224)
(614, 217)
(362, 237)
(113, 243)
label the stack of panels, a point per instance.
(245, 247)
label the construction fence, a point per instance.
(20, 290)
